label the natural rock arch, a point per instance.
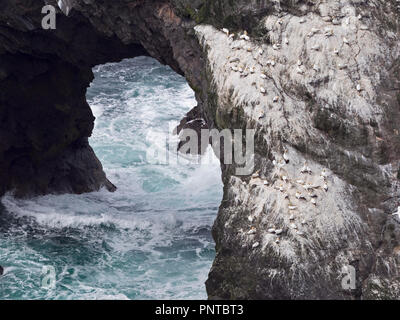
(324, 116)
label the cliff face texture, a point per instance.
(317, 80)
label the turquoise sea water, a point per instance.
(149, 240)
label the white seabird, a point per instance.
(65, 6)
(278, 232)
(276, 46)
(276, 99)
(397, 213)
(262, 90)
(325, 187)
(285, 153)
(324, 174)
(255, 245)
(225, 30)
(314, 202)
(300, 196)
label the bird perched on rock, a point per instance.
(397, 213)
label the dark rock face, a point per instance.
(337, 109)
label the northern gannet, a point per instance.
(285, 153)
(324, 174)
(316, 47)
(262, 90)
(278, 232)
(225, 30)
(252, 231)
(314, 202)
(255, 245)
(325, 187)
(345, 40)
(271, 230)
(276, 46)
(397, 213)
(306, 169)
(276, 99)
(300, 196)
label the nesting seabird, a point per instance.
(315, 68)
(65, 6)
(292, 207)
(314, 202)
(255, 175)
(255, 245)
(252, 231)
(306, 169)
(325, 187)
(286, 41)
(276, 99)
(263, 76)
(345, 40)
(324, 174)
(278, 232)
(302, 20)
(328, 32)
(272, 230)
(300, 196)
(397, 213)
(316, 47)
(266, 183)
(358, 87)
(226, 31)
(262, 90)
(250, 218)
(285, 153)
(276, 46)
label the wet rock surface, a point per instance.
(317, 80)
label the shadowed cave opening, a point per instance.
(151, 239)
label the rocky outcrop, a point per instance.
(317, 80)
